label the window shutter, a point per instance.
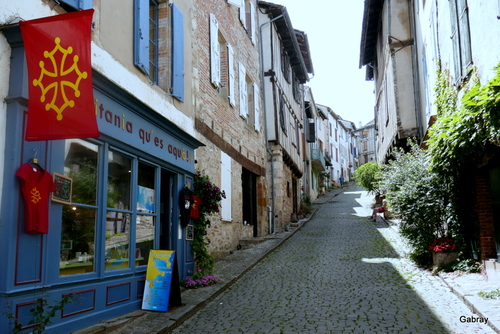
(79, 4)
(235, 2)
(226, 176)
(232, 82)
(243, 91)
(243, 14)
(253, 25)
(178, 53)
(214, 50)
(256, 107)
(466, 53)
(85, 4)
(141, 35)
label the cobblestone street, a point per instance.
(341, 273)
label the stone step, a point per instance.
(248, 243)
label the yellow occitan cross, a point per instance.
(35, 195)
(59, 86)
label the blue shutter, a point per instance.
(78, 4)
(141, 35)
(178, 53)
(85, 4)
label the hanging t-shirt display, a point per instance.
(36, 184)
(195, 207)
(185, 202)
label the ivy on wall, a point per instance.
(210, 196)
(463, 135)
(462, 140)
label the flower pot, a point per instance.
(440, 259)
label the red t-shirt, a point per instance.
(36, 185)
(195, 210)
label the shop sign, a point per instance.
(126, 125)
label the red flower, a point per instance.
(443, 245)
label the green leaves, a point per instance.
(368, 177)
(420, 196)
(461, 135)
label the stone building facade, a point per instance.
(227, 105)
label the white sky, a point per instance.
(333, 28)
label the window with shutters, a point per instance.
(222, 71)
(149, 51)
(146, 37)
(285, 63)
(249, 21)
(462, 54)
(215, 49)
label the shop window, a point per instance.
(128, 197)
(118, 210)
(146, 206)
(146, 37)
(78, 230)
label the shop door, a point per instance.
(249, 199)
(166, 209)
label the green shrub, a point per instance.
(368, 177)
(420, 197)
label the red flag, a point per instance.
(61, 99)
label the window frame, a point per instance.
(101, 207)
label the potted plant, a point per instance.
(443, 251)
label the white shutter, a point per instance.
(256, 106)
(214, 50)
(232, 82)
(253, 24)
(235, 2)
(225, 168)
(243, 14)
(243, 91)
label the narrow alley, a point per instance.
(341, 273)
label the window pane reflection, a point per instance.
(117, 240)
(146, 190)
(144, 240)
(119, 172)
(77, 240)
(80, 164)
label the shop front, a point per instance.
(115, 198)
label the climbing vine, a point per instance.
(462, 135)
(210, 196)
(461, 140)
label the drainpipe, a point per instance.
(272, 223)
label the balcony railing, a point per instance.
(318, 160)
